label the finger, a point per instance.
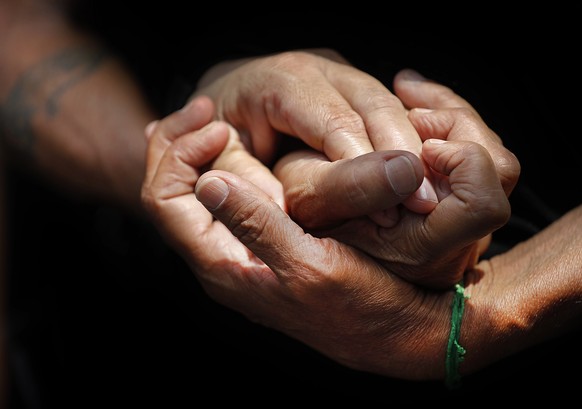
(319, 193)
(455, 124)
(416, 91)
(337, 109)
(320, 110)
(150, 129)
(306, 268)
(317, 113)
(386, 122)
(383, 113)
(169, 197)
(236, 159)
(256, 221)
(477, 206)
(163, 132)
(184, 222)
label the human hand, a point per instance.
(318, 97)
(181, 147)
(189, 134)
(416, 91)
(433, 249)
(176, 135)
(256, 260)
(362, 315)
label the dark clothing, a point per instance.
(103, 314)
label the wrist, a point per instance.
(424, 327)
(526, 296)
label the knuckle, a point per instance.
(248, 222)
(489, 205)
(381, 101)
(493, 212)
(292, 58)
(341, 122)
(509, 168)
(496, 212)
(302, 208)
(465, 114)
(385, 101)
(345, 127)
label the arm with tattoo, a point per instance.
(69, 110)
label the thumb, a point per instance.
(347, 188)
(254, 218)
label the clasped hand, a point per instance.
(343, 245)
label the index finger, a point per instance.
(337, 109)
(192, 117)
(383, 113)
(319, 192)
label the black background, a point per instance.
(103, 314)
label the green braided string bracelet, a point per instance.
(455, 352)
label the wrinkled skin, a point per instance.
(432, 249)
(328, 294)
(316, 96)
(331, 114)
(332, 296)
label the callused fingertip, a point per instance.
(402, 175)
(212, 192)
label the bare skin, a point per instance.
(433, 249)
(350, 112)
(334, 297)
(73, 114)
(87, 132)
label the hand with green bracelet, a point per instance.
(336, 298)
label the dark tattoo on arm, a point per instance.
(39, 91)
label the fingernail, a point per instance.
(426, 192)
(401, 175)
(411, 75)
(212, 192)
(436, 141)
(423, 110)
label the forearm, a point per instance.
(69, 110)
(536, 294)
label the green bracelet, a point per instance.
(455, 352)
